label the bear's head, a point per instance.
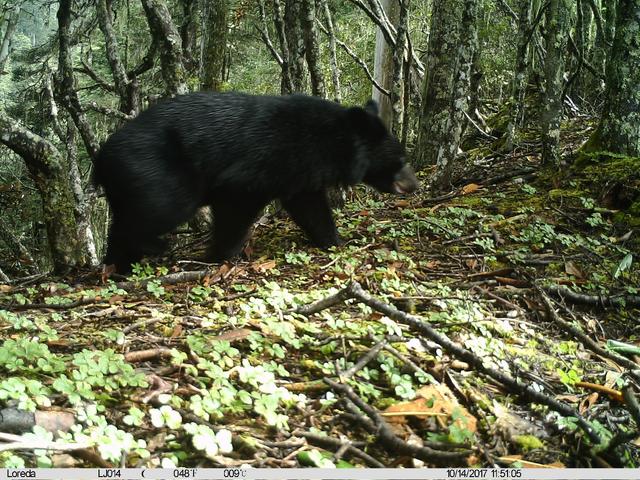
(379, 155)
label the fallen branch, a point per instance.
(588, 341)
(355, 290)
(329, 442)
(390, 440)
(594, 300)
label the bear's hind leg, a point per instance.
(232, 217)
(311, 211)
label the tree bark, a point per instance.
(520, 75)
(188, 31)
(383, 66)
(82, 205)
(12, 22)
(286, 83)
(312, 51)
(295, 42)
(619, 129)
(67, 94)
(335, 70)
(557, 24)
(46, 168)
(214, 44)
(165, 33)
(127, 90)
(452, 42)
(397, 84)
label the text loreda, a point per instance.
(23, 473)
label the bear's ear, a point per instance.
(372, 107)
(365, 123)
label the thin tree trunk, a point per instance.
(335, 70)
(82, 205)
(126, 89)
(312, 51)
(286, 84)
(557, 30)
(188, 31)
(12, 22)
(519, 83)
(397, 83)
(67, 94)
(295, 41)
(165, 33)
(383, 64)
(214, 44)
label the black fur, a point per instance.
(236, 153)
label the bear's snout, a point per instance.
(405, 181)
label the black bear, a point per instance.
(236, 153)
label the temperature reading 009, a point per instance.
(234, 473)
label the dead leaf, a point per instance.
(470, 188)
(5, 288)
(233, 335)
(401, 203)
(572, 269)
(471, 263)
(588, 402)
(432, 401)
(177, 331)
(262, 267)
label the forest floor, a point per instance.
(495, 326)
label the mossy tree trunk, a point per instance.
(214, 44)
(46, 168)
(312, 50)
(519, 82)
(452, 42)
(619, 129)
(295, 42)
(168, 38)
(557, 22)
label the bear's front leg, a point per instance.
(311, 211)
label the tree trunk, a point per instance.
(557, 30)
(214, 44)
(295, 41)
(126, 89)
(519, 83)
(82, 206)
(46, 169)
(312, 51)
(188, 31)
(383, 65)
(67, 94)
(165, 33)
(12, 22)
(619, 129)
(286, 82)
(452, 42)
(335, 70)
(397, 80)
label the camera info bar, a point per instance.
(315, 473)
